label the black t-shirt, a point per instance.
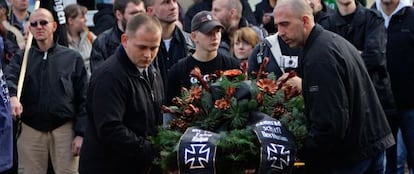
(179, 75)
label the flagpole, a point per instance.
(26, 54)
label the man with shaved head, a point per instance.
(53, 98)
(348, 131)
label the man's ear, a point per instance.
(307, 20)
(70, 21)
(124, 39)
(233, 12)
(193, 36)
(54, 26)
(118, 15)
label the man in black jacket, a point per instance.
(264, 15)
(53, 97)
(399, 21)
(104, 14)
(348, 130)
(124, 100)
(107, 42)
(364, 28)
(175, 43)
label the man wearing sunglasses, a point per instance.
(53, 97)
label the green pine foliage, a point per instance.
(238, 147)
(239, 150)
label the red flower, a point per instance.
(232, 73)
(267, 85)
(222, 104)
(195, 94)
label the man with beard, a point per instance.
(229, 14)
(175, 43)
(107, 42)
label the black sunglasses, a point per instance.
(41, 23)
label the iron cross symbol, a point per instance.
(279, 155)
(198, 154)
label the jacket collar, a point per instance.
(129, 66)
(37, 49)
(358, 17)
(316, 31)
(178, 35)
(117, 31)
(401, 12)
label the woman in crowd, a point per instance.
(243, 42)
(79, 37)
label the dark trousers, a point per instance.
(391, 152)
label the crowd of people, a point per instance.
(80, 100)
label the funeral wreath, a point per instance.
(228, 120)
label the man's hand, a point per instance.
(267, 18)
(76, 145)
(295, 82)
(16, 107)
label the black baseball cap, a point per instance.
(204, 22)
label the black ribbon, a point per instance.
(278, 147)
(197, 151)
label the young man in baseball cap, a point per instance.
(206, 34)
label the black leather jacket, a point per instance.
(180, 47)
(345, 119)
(54, 89)
(367, 33)
(104, 46)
